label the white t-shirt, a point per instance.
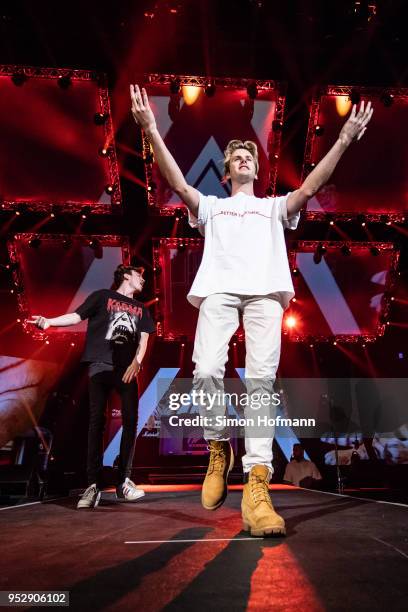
(244, 247)
(297, 470)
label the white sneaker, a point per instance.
(90, 498)
(128, 491)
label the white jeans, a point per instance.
(217, 322)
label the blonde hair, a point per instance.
(232, 146)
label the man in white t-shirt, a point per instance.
(244, 270)
(300, 471)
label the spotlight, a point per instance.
(361, 219)
(97, 248)
(100, 118)
(290, 322)
(151, 187)
(181, 246)
(334, 343)
(21, 208)
(319, 130)
(318, 254)
(355, 96)
(252, 90)
(209, 89)
(85, 210)
(67, 244)
(295, 272)
(34, 243)
(109, 189)
(387, 99)
(310, 167)
(64, 82)
(174, 86)
(19, 78)
(104, 151)
(374, 251)
(277, 125)
(345, 249)
(329, 218)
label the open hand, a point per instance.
(141, 111)
(40, 322)
(131, 372)
(356, 124)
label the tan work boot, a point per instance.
(258, 515)
(214, 489)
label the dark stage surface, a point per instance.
(167, 552)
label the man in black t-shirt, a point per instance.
(116, 342)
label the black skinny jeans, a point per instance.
(100, 387)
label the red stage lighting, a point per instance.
(290, 322)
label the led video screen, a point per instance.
(196, 127)
(329, 302)
(55, 273)
(342, 290)
(371, 176)
(55, 126)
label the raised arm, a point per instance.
(352, 130)
(144, 117)
(65, 320)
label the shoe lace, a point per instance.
(260, 491)
(217, 460)
(129, 483)
(89, 493)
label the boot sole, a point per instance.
(265, 531)
(222, 500)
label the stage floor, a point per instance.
(166, 552)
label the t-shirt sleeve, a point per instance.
(146, 322)
(293, 221)
(89, 307)
(204, 206)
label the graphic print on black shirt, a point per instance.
(114, 327)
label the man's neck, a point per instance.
(125, 290)
(247, 188)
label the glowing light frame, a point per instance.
(392, 277)
(225, 83)
(14, 256)
(298, 246)
(107, 127)
(344, 90)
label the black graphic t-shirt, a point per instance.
(114, 327)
